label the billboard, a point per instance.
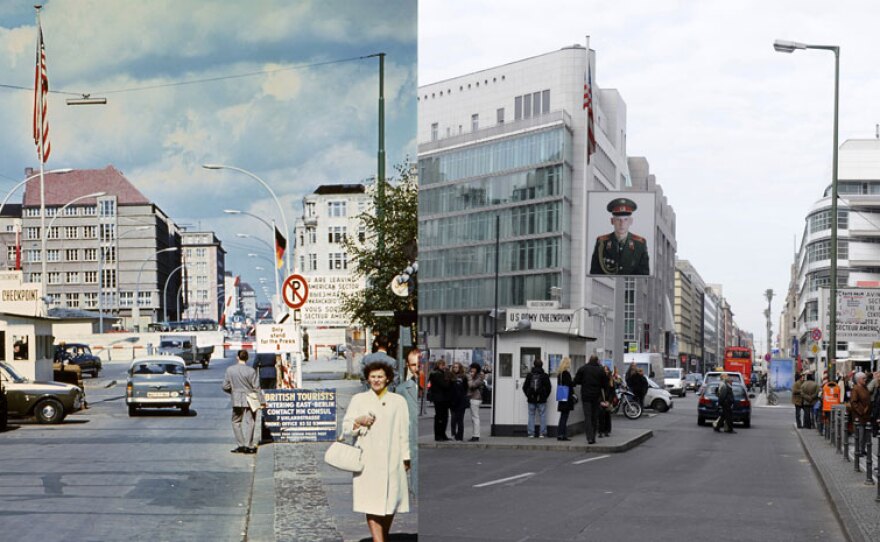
(621, 227)
(324, 306)
(858, 313)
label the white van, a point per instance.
(673, 379)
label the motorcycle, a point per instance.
(629, 403)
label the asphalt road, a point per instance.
(685, 483)
(103, 476)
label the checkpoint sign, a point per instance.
(295, 291)
(816, 334)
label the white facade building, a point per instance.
(205, 264)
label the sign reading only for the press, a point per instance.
(301, 415)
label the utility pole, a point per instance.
(769, 296)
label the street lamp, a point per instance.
(101, 259)
(165, 294)
(783, 46)
(22, 183)
(136, 310)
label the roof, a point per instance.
(63, 187)
(78, 314)
(12, 209)
(340, 189)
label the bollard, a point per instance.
(841, 428)
(877, 498)
(869, 461)
(846, 444)
(856, 451)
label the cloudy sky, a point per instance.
(739, 136)
(298, 126)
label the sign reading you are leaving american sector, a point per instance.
(324, 307)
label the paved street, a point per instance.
(161, 475)
(675, 486)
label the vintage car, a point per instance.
(48, 402)
(186, 347)
(81, 355)
(158, 382)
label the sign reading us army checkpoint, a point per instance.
(301, 415)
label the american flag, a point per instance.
(41, 93)
(588, 105)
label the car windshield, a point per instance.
(157, 369)
(671, 373)
(17, 378)
(166, 343)
(739, 392)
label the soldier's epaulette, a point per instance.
(637, 238)
(604, 237)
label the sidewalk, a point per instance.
(851, 499)
(622, 438)
(297, 497)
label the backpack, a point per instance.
(532, 387)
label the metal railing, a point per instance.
(837, 426)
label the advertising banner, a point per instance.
(781, 374)
(301, 415)
(620, 227)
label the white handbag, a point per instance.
(344, 456)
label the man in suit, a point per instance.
(620, 252)
(241, 381)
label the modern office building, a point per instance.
(507, 146)
(690, 294)
(713, 328)
(858, 249)
(102, 252)
(204, 261)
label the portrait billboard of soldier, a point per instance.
(625, 247)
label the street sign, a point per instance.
(295, 291)
(816, 334)
(815, 348)
(276, 339)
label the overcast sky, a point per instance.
(739, 136)
(296, 128)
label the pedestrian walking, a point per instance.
(640, 386)
(725, 401)
(591, 378)
(439, 394)
(607, 396)
(411, 391)
(809, 397)
(475, 383)
(381, 344)
(797, 399)
(460, 402)
(243, 384)
(380, 420)
(537, 388)
(564, 387)
(860, 405)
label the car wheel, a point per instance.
(659, 405)
(684, 393)
(132, 410)
(701, 420)
(747, 422)
(49, 411)
(184, 409)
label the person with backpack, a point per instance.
(809, 396)
(537, 388)
(592, 380)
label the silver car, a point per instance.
(158, 382)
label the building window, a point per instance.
(71, 277)
(108, 254)
(91, 300)
(51, 212)
(313, 262)
(32, 232)
(90, 277)
(125, 299)
(435, 129)
(107, 208)
(71, 211)
(302, 262)
(201, 252)
(32, 212)
(145, 299)
(338, 260)
(53, 232)
(336, 234)
(71, 299)
(33, 255)
(310, 209)
(336, 208)
(475, 122)
(70, 231)
(90, 210)
(499, 115)
(53, 255)
(90, 232)
(109, 278)
(108, 232)
(312, 235)
(545, 102)
(90, 254)
(54, 277)
(10, 253)
(36, 277)
(362, 233)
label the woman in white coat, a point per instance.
(380, 419)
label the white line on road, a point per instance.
(501, 481)
(589, 459)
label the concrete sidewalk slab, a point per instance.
(851, 499)
(620, 441)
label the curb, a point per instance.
(261, 513)
(534, 446)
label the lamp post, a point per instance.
(136, 310)
(782, 46)
(165, 294)
(272, 234)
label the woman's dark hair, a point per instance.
(381, 341)
(377, 365)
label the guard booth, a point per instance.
(548, 335)
(25, 331)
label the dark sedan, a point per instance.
(48, 402)
(708, 409)
(81, 355)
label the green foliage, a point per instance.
(397, 230)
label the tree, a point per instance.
(398, 228)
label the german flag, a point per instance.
(280, 247)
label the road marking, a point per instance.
(501, 481)
(589, 459)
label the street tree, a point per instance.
(397, 231)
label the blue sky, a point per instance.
(738, 136)
(295, 128)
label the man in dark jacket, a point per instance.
(593, 380)
(860, 404)
(809, 396)
(537, 389)
(439, 394)
(725, 401)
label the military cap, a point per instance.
(622, 207)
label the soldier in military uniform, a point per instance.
(620, 252)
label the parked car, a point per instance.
(715, 377)
(186, 347)
(708, 409)
(48, 402)
(673, 379)
(693, 381)
(81, 355)
(657, 398)
(4, 408)
(158, 382)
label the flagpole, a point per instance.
(40, 151)
(276, 303)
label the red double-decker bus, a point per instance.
(738, 359)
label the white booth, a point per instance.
(25, 331)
